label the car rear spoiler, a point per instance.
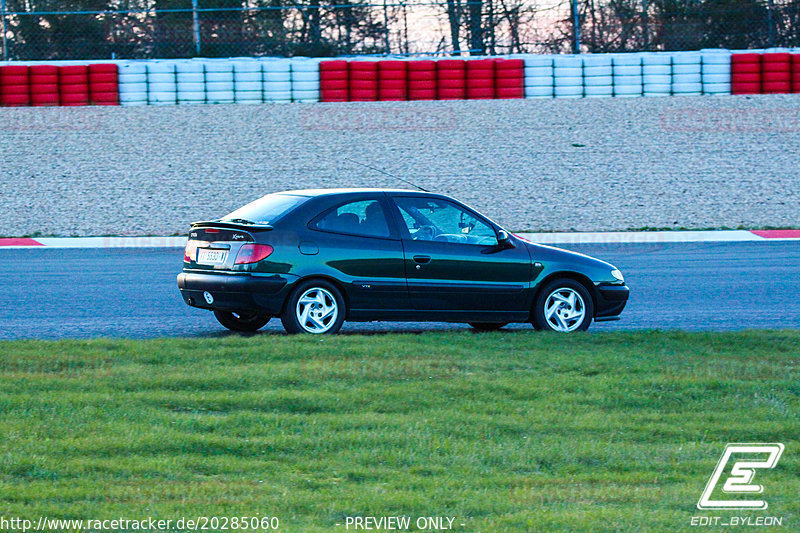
(233, 225)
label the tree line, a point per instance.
(76, 29)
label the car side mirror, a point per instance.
(503, 240)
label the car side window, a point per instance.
(433, 219)
(364, 217)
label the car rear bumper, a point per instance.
(235, 292)
(611, 300)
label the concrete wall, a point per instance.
(590, 164)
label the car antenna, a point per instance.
(387, 174)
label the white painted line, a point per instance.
(616, 237)
(113, 242)
(100, 242)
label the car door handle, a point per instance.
(422, 259)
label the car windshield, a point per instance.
(266, 209)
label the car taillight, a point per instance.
(190, 251)
(253, 253)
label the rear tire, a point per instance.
(563, 305)
(314, 306)
(487, 326)
(242, 321)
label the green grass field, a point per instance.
(505, 431)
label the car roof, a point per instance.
(327, 192)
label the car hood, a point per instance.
(553, 255)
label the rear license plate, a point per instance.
(211, 257)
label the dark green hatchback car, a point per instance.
(319, 257)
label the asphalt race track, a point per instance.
(123, 292)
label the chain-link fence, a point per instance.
(94, 29)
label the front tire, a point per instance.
(244, 321)
(314, 306)
(563, 305)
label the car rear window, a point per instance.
(362, 217)
(267, 208)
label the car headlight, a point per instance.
(617, 274)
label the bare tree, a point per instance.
(475, 12)
(454, 17)
(511, 16)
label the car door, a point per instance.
(453, 261)
(362, 249)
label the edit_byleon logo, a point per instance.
(746, 459)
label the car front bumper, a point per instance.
(235, 292)
(611, 300)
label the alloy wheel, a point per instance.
(316, 310)
(564, 309)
